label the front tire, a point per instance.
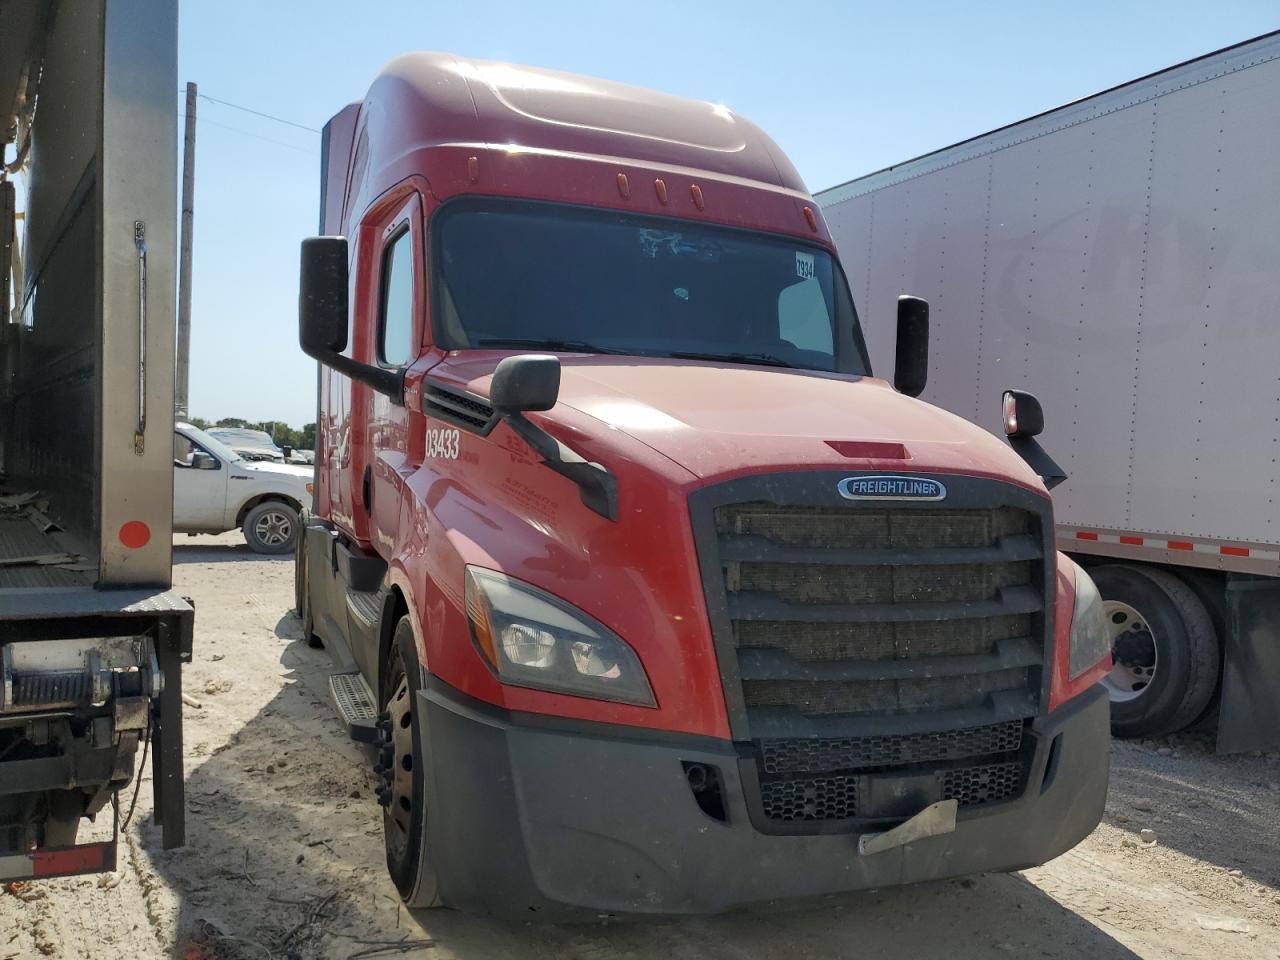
(302, 593)
(403, 789)
(272, 527)
(1164, 648)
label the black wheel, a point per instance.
(1164, 648)
(302, 595)
(63, 810)
(404, 816)
(299, 575)
(271, 527)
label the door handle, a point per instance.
(366, 488)
(140, 241)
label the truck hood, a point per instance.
(297, 471)
(716, 419)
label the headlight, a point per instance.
(533, 639)
(1090, 638)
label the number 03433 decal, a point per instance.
(442, 444)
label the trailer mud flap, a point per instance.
(1250, 714)
(63, 862)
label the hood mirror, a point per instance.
(1023, 422)
(530, 382)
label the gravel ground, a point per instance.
(284, 854)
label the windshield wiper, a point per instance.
(568, 346)
(764, 359)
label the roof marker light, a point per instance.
(624, 187)
(473, 169)
(660, 188)
(812, 219)
(696, 192)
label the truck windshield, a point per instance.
(544, 276)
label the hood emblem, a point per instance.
(891, 488)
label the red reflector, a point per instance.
(1132, 541)
(869, 449)
(135, 534)
(56, 863)
(1085, 535)
(1180, 545)
(1234, 551)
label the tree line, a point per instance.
(283, 434)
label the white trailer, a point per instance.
(1120, 258)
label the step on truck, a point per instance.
(1117, 256)
(649, 595)
(91, 639)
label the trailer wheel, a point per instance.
(271, 527)
(1164, 648)
(64, 808)
(401, 793)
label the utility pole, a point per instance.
(180, 394)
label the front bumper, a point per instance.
(567, 818)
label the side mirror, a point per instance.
(1023, 421)
(524, 383)
(203, 461)
(911, 364)
(322, 296)
(1023, 416)
(323, 312)
(287, 451)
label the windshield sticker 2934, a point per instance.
(442, 444)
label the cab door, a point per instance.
(199, 492)
(397, 344)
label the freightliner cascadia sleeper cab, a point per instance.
(650, 595)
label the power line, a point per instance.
(258, 113)
(255, 136)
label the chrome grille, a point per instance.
(869, 642)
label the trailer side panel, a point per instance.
(1116, 258)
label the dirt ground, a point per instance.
(284, 853)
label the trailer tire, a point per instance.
(1185, 655)
(64, 808)
(404, 818)
(272, 527)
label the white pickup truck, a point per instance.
(215, 489)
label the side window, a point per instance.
(184, 452)
(395, 331)
(183, 449)
(803, 319)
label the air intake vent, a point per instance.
(459, 408)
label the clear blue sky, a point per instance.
(845, 88)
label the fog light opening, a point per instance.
(707, 787)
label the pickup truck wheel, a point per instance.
(271, 527)
(1164, 648)
(404, 816)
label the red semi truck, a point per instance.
(650, 595)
